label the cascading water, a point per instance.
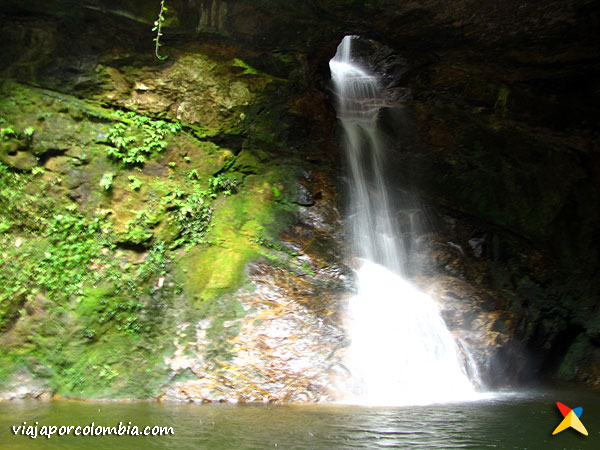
(401, 351)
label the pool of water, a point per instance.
(523, 420)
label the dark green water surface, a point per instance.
(507, 421)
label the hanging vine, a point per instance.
(158, 23)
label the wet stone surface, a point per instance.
(284, 350)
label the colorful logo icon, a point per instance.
(571, 419)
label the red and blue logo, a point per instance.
(571, 419)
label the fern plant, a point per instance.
(138, 137)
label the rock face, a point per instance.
(23, 385)
(285, 347)
(173, 229)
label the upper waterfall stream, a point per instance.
(401, 351)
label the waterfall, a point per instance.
(401, 351)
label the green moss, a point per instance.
(139, 229)
(8, 366)
(135, 183)
(247, 69)
(55, 260)
(240, 223)
(120, 366)
(80, 302)
(212, 272)
(72, 307)
(102, 344)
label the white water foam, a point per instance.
(402, 352)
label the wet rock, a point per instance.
(304, 196)
(289, 337)
(282, 353)
(588, 367)
(484, 330)
(23, 385)
(21, 160)
(477, 244)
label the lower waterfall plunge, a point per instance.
(401, 351)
